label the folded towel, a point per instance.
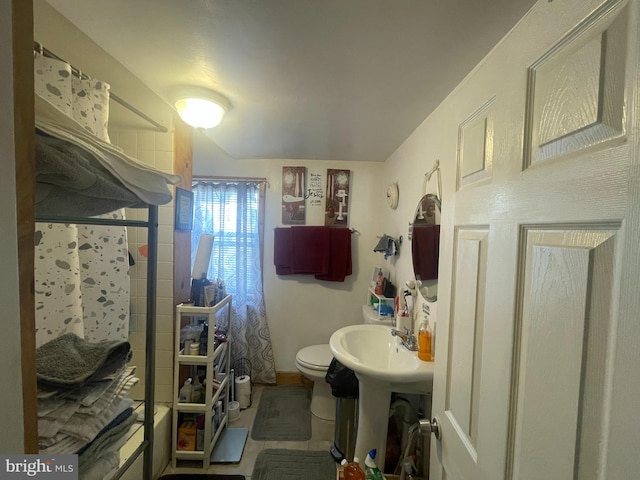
(148, 184)
(310, 250)
(69, 360)
(110, 434)
(50, 424)
(61, 443)
(339, 256)
(425, 247)
(322, 251)
(119, 390)
(104, 468)
(71, 180)
(282, 251)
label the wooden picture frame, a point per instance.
(183, 209)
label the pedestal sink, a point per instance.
(382, 365)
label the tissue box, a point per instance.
(187, 436)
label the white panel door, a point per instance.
(537, 372)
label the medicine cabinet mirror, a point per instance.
(425, 246)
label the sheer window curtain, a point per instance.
(232, 211)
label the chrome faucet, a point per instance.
(409, 340)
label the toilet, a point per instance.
(313, 363)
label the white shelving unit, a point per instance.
(369, 308)
(217, 318)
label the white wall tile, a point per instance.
(164, 142)
(164, 161)
(146, 141)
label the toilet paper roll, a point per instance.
(243, 390)
(203, 257)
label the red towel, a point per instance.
(340, 255)
(310, 250)
(282, 251)
(425, 248)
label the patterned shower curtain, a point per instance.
(81, 271)
(230, 212)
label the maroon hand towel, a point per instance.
(425, 248)
(340, 261)
(310, 250)
(282, 251)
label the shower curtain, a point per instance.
(81, 271)
(230, 212)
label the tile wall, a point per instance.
(156, 150)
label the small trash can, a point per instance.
(344, 387)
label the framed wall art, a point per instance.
(183, 209)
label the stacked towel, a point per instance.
(321, 251)
(83, 406)
(147, 184)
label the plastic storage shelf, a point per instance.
(215, 357)
(378, 308)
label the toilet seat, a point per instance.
(315, 357)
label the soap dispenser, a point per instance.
(425, 335)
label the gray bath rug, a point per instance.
(283, 414)
(277, 464)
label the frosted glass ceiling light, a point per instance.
(201, 108)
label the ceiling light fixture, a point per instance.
(201, 107)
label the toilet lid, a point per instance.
(317, 357)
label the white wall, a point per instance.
(301, 310)
(11, 419)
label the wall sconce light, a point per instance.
(201, 107)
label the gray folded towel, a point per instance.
(69, 360)
(69, 180)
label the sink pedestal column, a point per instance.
(373, 417)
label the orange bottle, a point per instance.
(353, 471)
(425, 336)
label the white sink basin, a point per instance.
(372, 352)
(382, 365)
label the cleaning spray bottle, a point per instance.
(186, 391)
(372, 472)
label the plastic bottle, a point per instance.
(353, 471)
(197, 391)
(424, 342)
(186, 391)
(372, 472)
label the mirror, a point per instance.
(425, 246)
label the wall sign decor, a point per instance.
(183, 209)
(293, 195)
(337, 202)
(314, 194)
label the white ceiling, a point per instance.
(307, 79)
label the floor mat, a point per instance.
(277, 464)
(200, 476)
(283, 414)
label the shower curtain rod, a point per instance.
(38, 47)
